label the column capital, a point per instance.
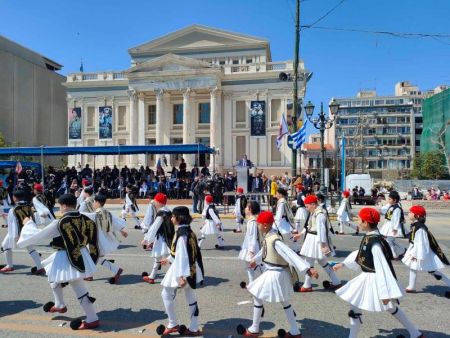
(214, 91)
(187, 93)
(132, 94)
(141, 95)
(159, 93)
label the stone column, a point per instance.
(141, 127)
(159, 117)
(132, 126)
(215, 123)
(188, 132)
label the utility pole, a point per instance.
(295, 108)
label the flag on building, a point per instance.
(299, 137)
(18, 168)
(282, 131)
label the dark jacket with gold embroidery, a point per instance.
(77, 231)
(166, 229)
(193, 250)
(433, 243)
(365, 257)
(21, 211)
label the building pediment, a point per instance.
(197, 37)
(170, 63)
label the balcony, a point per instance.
(260, 67)
(100, 76)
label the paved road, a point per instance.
(134, 308)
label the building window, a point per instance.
(204, 112)
(177, 114)
(235, 61)
(248, 60)
(122, 118)
(90, 158)
(176, 158)
(240, 112)
(275, 111)
(275, 154)
(240, 147)
(91, 119)
(221, 62)
(151, 159)
(122, 142)
(152, 114)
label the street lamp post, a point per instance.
(322, 123)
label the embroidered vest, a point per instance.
(22, 211)
(103, 219)
(365, 257)
(211, 207)
(167, 229)
(390, 213)
(270, 255)
(433, 243)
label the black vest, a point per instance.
(365, 258)
(194, 253)
(390, 212)
(22, 211)
(243, 204)
(433, 243)
(166, 230)
(211, 207)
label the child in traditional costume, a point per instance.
(344, 213)
(159, 236)
(130, 207)
(108, 226)
(424, 253)
(274, 285)
(87, 205)
(301, 215)
(16, 217)
(44, 211)
(239, 209)
(185, 272)
(72, 261)
(393, 226)
(251, 245)
(212, 225)
(376, 289)
(317, 245)
(284, 219)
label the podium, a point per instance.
(242, 177)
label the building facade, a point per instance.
(382, 132)
(32, 98)
(196, 85)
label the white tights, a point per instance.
(168, 296)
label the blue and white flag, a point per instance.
(299, 137)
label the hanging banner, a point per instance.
(74, 118)
(105, 122)
(258, 118)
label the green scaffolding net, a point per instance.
(436, 116)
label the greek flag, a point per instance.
(299, 137)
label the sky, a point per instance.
(101, 32)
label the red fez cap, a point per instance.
(418, 210)
(346, 193)
(209, 199)
(161, 198)
(300, 186)
(1, 183)
(38, 187)
(369, 215)
(265, 217)
(310, 199)
(240, 190)
(84, 181)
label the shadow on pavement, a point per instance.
(318, 328)
(213, 281)
(125, 319)
(11, 307)
(227, 327)
(394, 333)
(437, 290)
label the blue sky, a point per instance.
(101, 31)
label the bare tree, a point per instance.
(440, 141)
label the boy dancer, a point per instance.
(130, 207)
(275, 284)
(4, 201)
(107, 225)
(316, 245)
(344, 213)
(284, 220)
(149, 217)
(250, 246)
(393, 227)
(239, 209)
(16, 217)
(159, 236)
(185, 272)
(72, 261)
(376, 289)
(212, 225)
(424, 253)
(44, 211)
(87, 205)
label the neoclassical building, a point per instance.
(195, 85)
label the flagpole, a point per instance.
(295, 112)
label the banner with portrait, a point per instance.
(105, 122)
(74, 119)
(258, 118)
